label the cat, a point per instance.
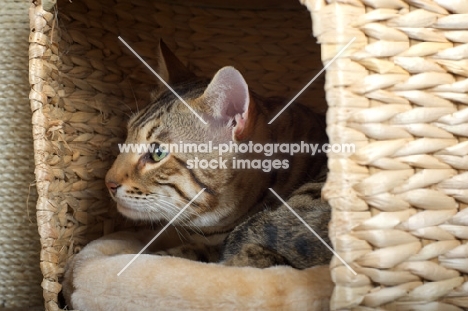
(236, 220)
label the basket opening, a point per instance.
(103, 83)
(97, 83)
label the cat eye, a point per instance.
(158, 154)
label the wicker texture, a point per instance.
(399, 201)
(20, 275)
(398, 93)
(85, 84)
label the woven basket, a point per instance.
(399, 201)
(397, 93)
(85, 84)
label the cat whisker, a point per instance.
(183, 201)
(176, 208)
(168, 210)
(184, 218)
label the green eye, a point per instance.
(158, 154)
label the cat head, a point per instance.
(153, 184)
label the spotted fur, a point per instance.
(277, 237)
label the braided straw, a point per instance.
(398, 94)
(399, 201)
(20, 275)
(85, 84)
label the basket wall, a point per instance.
(85, 84)
(398, 93)
(399, 201)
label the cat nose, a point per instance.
(112, 186)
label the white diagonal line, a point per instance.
(313, 79)
(162, 80)
(313, 231)
(159, 233)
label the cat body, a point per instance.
(156, 185)
(275, 236)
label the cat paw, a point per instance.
(253, 255)
(161, 253)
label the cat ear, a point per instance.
(229, 100)
(170, 68)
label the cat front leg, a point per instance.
(254, 255)
(198, 252)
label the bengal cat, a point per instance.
(236, 220)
